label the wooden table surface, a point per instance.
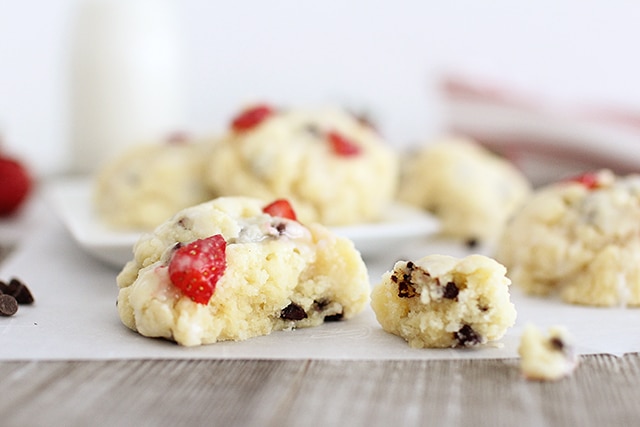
(604, 391)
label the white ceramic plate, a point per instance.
(71, 198)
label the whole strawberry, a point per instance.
(15, 185)
(196, 267)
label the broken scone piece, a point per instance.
(546, 357)
(235, 268)
(442, 301)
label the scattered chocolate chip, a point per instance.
(334, 317)
(467, 337)
(451, 291)
(20, 292)
(293, 312)
(557, 344)
(483, 308)
(8, 305)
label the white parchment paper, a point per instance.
(75, 318)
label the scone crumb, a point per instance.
(547, 357)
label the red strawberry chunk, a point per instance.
(250, 118)
(588, 179)
(281, 208)
(342, 145)
(196, 267)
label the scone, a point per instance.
(442, 301)
(546, 357)
(147, 184)
(579, 238)
(472, 191)
(334, 168)
(235, 268)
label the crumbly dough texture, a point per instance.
(442, 301)
(288, 156)
(546, 357)
(147, 184)
(279, 275)
(471, 190)
(580, 242)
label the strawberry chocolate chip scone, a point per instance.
(146, 184)
(471, 190)
(440, 301)
(579, 238)
(235, 268)
(334, 168)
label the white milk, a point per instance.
(127, 83)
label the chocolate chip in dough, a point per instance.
(405, 286)
(467, 337)
(334, 317)
(293, 312)
(8, 305)
(471, 243)
(451, 291)
(557, 344)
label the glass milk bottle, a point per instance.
(126, 78)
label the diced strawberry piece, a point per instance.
(250, 118)
(196, 267)
(281, 208)
(588, 179)
(342, 145)
(15, 185)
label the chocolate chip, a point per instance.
(471, 242)
(20, 292)
(467, 337)
(281, 228)
(321, 304)
(406, 290)
(451, 291)
(334, 317)
(8, 305)
(293, 312)
(405, 286)
(557, 343)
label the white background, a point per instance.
(380, 56)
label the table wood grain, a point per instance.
(604, 391)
